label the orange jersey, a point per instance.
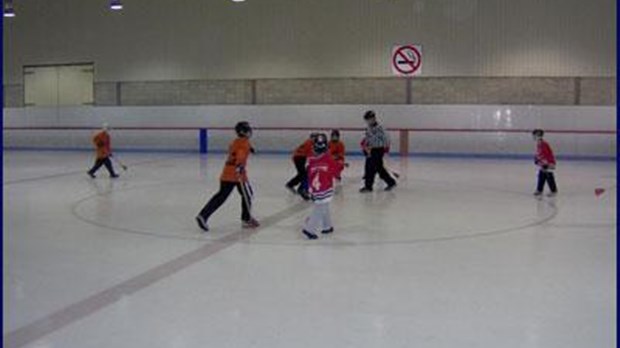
(238, 153)
(336, 149)
(102, 144)
(305, 150)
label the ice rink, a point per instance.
(460, 254)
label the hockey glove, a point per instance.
(240, 170)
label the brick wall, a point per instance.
(424, 90)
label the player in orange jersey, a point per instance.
(233, 176)
(103, 152)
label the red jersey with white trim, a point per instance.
(322, 170)
(544, 154)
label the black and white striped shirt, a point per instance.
(377, 137)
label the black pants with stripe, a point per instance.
(220, 197)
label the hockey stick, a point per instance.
(394, 173)
(119, 162)
(391, 171)
(386, 162)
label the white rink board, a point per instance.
(473, 117)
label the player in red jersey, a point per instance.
(322, 170)
(545, 160)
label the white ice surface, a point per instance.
(459, 255)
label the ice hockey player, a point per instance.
(545, 160)
(322, 170)
(103, 152)
(299, 183)
(234, 175)
(375, 143)
(336, 146)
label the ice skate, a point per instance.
(310, 235)
(305, 195)
(390, 187)
(291, 188)
(202, 223)
(252, 223)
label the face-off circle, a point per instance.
(161, 210)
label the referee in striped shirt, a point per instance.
(375, 143)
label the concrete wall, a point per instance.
(315, 52)
(186, 92)
(597, 91)
(13, 96)
(107, 93)
(331, 91)
(423, 90)
(537, 91)
(163, 40)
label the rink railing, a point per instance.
(202, 135)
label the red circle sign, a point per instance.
(407, 60)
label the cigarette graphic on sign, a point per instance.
(406, 60)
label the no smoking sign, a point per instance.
(406, 60)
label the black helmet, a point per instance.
(538, 132)
(369, 115)
(335, 133)
(320, 143)
(313, 135)
(243, 128)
